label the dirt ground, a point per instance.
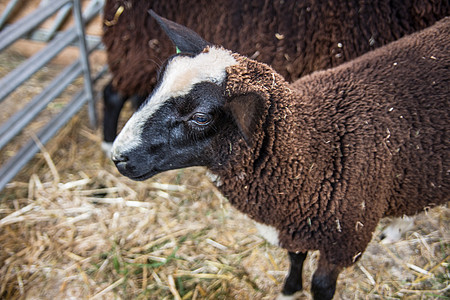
(71, 227)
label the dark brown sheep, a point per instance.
(294, 37)
(316, 163)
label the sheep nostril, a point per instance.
(119, 158)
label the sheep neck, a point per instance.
(246, 166)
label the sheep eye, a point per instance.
(201, 119)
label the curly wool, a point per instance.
(339, 149)
(294, 37)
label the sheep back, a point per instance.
(295, 37)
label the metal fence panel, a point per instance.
(18, 76)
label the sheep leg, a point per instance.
(113, 104)
(293, 281)
(324, 280)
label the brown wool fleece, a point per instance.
(339, 149)
(294, 37)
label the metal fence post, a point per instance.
(84, 59)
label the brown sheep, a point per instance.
(316, 163)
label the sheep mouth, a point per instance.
(144, 176)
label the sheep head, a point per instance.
(188, 120)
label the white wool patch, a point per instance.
(396, 229)
(181, 74)
(214, 178)
(282, 296)
(269, 233)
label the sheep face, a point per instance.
(181, 121)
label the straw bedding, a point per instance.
(71, 227)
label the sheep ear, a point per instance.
(185, 40)
(247, 111)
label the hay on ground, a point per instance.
(71, 227)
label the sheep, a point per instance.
(294, 37)
(315, 163)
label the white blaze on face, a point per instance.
(180, 75)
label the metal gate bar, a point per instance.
(60, 17)
(8, 10)
(85, 61)
(14, 32)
